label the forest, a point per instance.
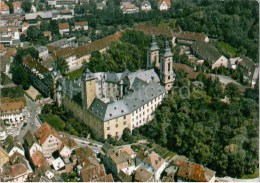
(195, 122)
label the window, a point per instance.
(124, 117)
(169, 77)
(124, 122)
(116, 125)
(169, 67)
(108, 128)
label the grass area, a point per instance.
(163, 152)
(228, 48)
(251, 176)
(5, 79)
(75, 74)
(54, 120)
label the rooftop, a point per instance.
(194, 36)
(34, 64)
(44, 132)
(93, 173)
(194, 172)
(142, 174)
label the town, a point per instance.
(128, 91)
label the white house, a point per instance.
(58, 164)
(81, 26)
(164, 5)
(152, 161)
(11, 146)
(65, 151)
(64, 28)
(221, 61)
(146, 6)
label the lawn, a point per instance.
(228, 48)
(163, 152)
(54, 120)
(251, 176)
(75, 74)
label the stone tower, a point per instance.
(88, 86)
(59, 95)
(166, 72)
(153, 55)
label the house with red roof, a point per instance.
(49, 139)
(4, 8)
(17, 7)
(164, 5)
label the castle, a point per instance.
(112, 102)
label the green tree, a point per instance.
(26, 5)
(232, 91)
(62, 65)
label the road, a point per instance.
(230, 179)
(32, 124)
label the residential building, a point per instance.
(209, 53)
(9, 36)
(164, 5)
(81, 26)
(192, 172)
(152, 161)
(13, 110)
(146, 5)
(47, 34)
(95, 174)
(4, 8)
(100, 6)
(64, 28)
(4, 157)
(17, 7)
(49, 140)
(130, 8)
(40, 76)
(67, 147)
(188, 38)
(120, 159)
(76, 57)
(43, 52)
(143, 175)
(62, 43)
(16, 170)
(38, 160)
(31, 144)
(62, 3)
(12, 146)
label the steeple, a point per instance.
(166, 70)
(153, 54)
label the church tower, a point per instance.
(166, 72)
(88, 87)
(153, 55)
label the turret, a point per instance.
(166, 67)
(153, 54)
(88, 87)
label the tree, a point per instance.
(62, 65)
(34, 34)
(26, 5)
(232, 91)
(127, 136)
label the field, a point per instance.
(251, 176)
(54, 120)
(228, 48)
(75, 74)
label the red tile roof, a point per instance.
(91, 174)
(87, 49)
(194, 36)
(17, 4)
(150, 29)
(194, 172)
(184, 67)
(106, 178)
(38, 159)
(168, 2)
(9, 105)
(63, 26)
(18, 169)
(3, 6)
(81, 23)
(44, 132)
